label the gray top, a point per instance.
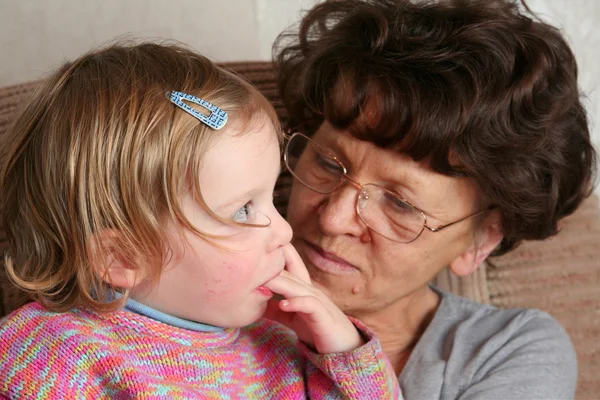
(475, 351)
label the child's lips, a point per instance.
(263, 289)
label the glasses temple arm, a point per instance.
(439, 228)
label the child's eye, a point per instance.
(243, 214)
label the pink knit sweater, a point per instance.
(122, 355)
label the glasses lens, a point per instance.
(313, 165)
(389, 215)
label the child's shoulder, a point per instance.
(273, 335)
(39, 346)
(33, 329)
(30, 314)
(267, 328)
(34, 316)
(34, 325)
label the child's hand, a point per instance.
(317, 321)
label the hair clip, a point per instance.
(217, 118)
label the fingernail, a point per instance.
(285, 303)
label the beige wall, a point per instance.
(36, 35)
(580, 22)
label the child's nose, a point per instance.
(282, 231)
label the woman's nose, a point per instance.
(337, 213)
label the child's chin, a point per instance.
(250, 317)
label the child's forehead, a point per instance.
(240, 162)
(253, 120)
(253, 143)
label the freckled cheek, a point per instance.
(231, 278)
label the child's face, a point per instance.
(220, 286)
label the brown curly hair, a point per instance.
(477, 88)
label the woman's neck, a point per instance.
(400, 326)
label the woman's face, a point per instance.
(362, 271)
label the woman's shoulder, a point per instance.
(487, 329)
(459, 313)
(512, 353)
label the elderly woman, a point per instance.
(430, 136)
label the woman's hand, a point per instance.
(317, 321)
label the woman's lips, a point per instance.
(327, 262)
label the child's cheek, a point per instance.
(234, 278)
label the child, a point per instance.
(137, 192)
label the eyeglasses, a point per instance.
(382, 210)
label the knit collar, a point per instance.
(145, 327)
(156, 315)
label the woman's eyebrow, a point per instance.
(406, 186)
(333, 147)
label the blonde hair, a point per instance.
(99, 146)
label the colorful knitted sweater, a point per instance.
(82, 354)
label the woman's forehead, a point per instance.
(348, 96)
(415, 180)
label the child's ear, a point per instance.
(110, 262)
(488, 238)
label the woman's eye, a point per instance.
(397, 204)
(329, 164)
(243, 214)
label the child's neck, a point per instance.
(142, 309)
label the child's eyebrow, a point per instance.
(248, 194)
(243, 197)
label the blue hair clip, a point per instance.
(217, 118)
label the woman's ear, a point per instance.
(109, 260)
(488, 237)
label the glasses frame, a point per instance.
(346, 178)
